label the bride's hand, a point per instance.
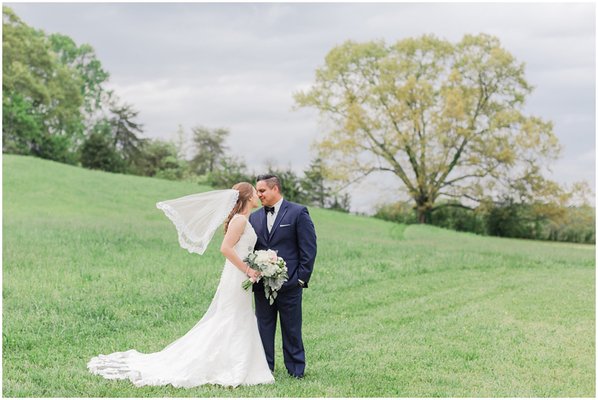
(253, 274)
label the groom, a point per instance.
(287, 228)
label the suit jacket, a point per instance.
(293, 236)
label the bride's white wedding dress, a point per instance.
(223, 348)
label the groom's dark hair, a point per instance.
(271, 181)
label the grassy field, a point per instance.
(90, 266)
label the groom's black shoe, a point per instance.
(297, 376)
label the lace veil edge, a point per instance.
(197, 216)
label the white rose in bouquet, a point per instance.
(269, 270)
(262, 257)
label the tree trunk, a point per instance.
(421, 216)
(423, 211)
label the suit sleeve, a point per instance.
(306, 237)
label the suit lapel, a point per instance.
(279, 216)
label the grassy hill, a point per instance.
(90, 266)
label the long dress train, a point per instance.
(223, 348)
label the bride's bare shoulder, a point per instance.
(239, 220)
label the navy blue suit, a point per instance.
(293, 236)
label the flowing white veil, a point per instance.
(197, 216)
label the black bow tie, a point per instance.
(269, 209)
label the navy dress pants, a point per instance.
(288, 306)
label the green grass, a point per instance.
(90, 266)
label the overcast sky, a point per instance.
(237, 65)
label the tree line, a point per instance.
(56, 106)
(506, 219)
(55, 102)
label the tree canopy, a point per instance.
(446, 118)
(41, 97)
(210, 148)
(50, 86)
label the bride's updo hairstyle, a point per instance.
(245, 192)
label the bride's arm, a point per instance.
(235, 229)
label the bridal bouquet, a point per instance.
(273, 269)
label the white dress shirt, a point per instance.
(270, 218)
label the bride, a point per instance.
(224, 347)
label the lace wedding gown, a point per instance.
(223, 348)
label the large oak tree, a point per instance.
(447, 119)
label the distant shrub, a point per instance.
(401, 212)
(459, 219)
(97, 152)
(572, 224)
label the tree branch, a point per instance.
(456, 205)
(449, 183)
(467, 196)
